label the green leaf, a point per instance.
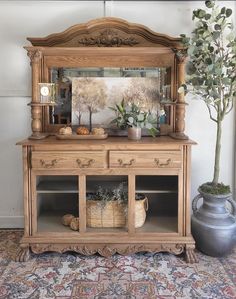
(140, 117)
(210, 67)
(208, 61)
(131, 120)
(119, 108)
(223, 10)
(228, 12)
(149, 126)
(207, 16)
(191, 69)
(199, 43)
(226, 81)
(195, 81)
(153, 132)
(217, 27)
(191, 50)
(210, 48)
(209, 3)
(199, 13)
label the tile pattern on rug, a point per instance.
(139, 276)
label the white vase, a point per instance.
(134, 133)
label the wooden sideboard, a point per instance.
(59, 173)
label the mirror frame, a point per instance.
(106, 42)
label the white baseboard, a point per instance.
(11, 221)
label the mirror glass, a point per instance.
(87, 93)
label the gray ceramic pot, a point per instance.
(134, 133)
(213, 227)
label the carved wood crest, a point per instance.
(107, 32)
(109, 38)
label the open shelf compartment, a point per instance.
(102, 213)
(56, 196)
(162, 197)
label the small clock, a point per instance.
(44, 90)
(46, 93)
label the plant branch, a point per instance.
(210, 113)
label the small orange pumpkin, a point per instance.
(82, 131)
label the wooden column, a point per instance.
(180, 105)
(36, 108)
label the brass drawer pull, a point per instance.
(48, 164)
(83, 165)
(130, 163)
(157, 161)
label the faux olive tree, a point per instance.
(211, 69)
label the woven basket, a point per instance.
(141, 206)
(114, 214)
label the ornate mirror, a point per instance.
(113, 58)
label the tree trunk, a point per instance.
(80, 114)
(90, 119)
(217, 153)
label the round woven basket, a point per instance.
(141, 207)
(114, 213)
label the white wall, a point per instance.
(19, 19)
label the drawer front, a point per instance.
(145, 159)
(68, 160)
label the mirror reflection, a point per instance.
(85, 94)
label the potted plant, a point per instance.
(131, 117)
(108, 208)
(211, 76)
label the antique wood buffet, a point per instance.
(59, 173)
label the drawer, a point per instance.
(145, 159)
(68, 160)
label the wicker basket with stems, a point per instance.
(108, 208)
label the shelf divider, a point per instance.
(82, 203)
(131, 203)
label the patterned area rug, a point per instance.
(140, 276)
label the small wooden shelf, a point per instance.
(146, 190)
(57, 184)
(156, 184)
(57, 187)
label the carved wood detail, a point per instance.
(108, 250)
(23, 253)
(35, 55)
(108, 32)
(191, 257)
(108, 38)
(181, 54)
